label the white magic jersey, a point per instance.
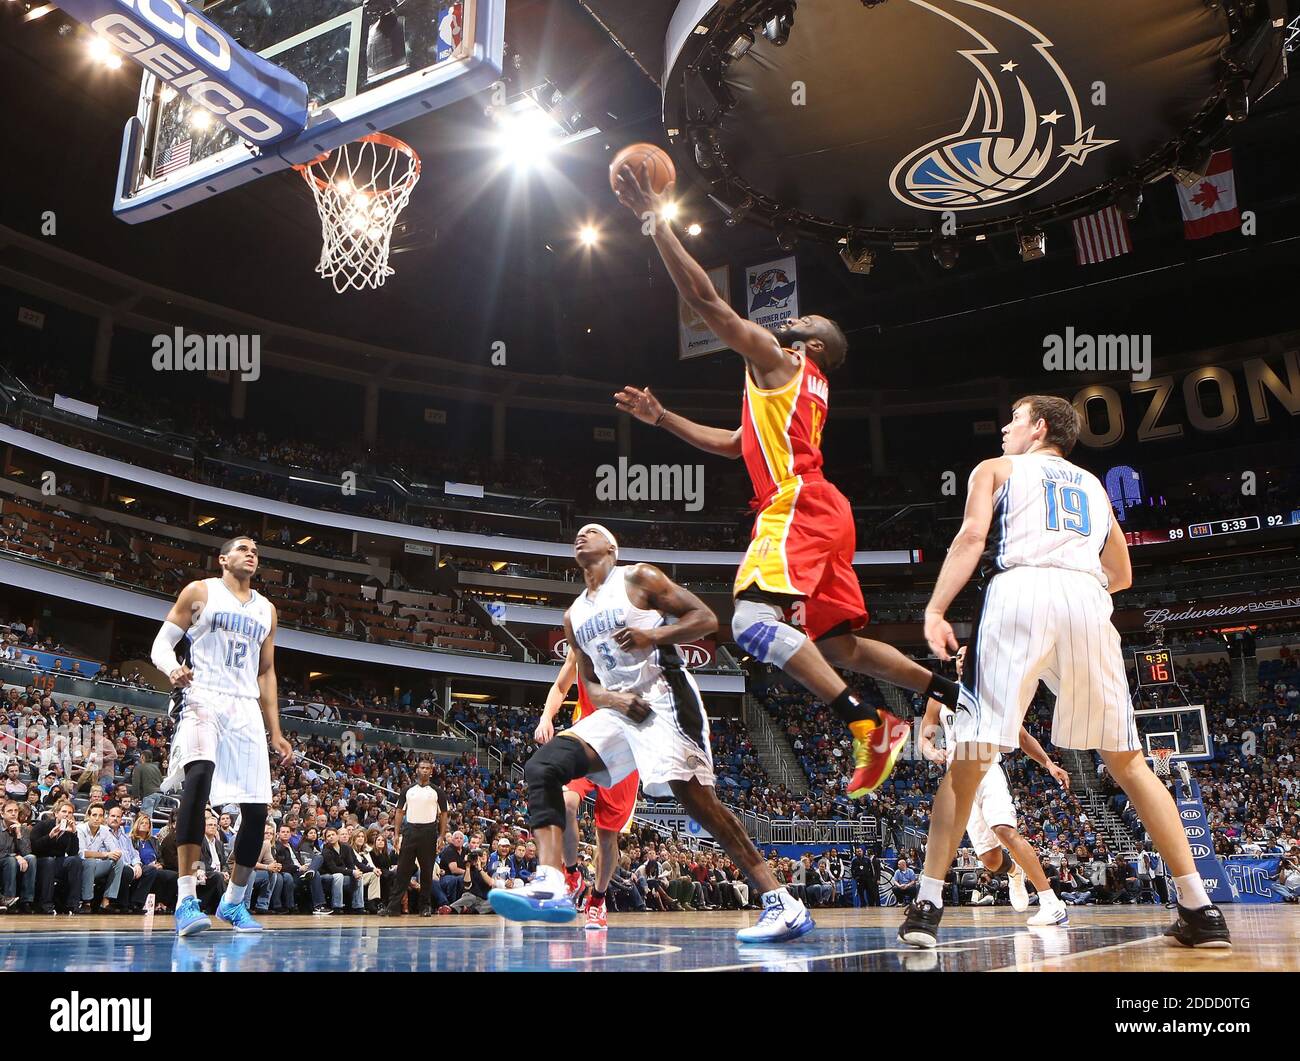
(597, 617)
(1049, 513)
(226, 641)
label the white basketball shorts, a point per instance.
(993, 806)
(228, 731)
(1054, 625)
(671, 745)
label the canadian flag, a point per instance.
(1210, 205)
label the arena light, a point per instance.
(945, 253)
(670, 211)
(1033, 244)
(778, 27)
(1129, 200)
(858, 257)
(200, 118)
(740, 43)
(694, 229)
(526, 137)
(588, 235)
(1192, 163)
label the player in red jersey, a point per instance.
(799, 566)
(614, 806)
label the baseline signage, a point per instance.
(1251, 879)
(1191, 811)
(675, 822)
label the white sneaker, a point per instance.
(1051, 912)
(1016, 887)
(784, 918)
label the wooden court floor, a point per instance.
(1098, 939)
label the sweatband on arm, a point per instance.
(163, 653)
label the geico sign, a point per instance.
(1102, 410)
(129, 30)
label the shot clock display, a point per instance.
(1155, 666)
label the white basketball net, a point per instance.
(360, 189)
(1160, 763)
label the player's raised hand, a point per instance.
(634, 191)
(1060, 776)
(939, 635)
(641, 404)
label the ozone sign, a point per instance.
(256, 99)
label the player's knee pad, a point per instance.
(761, 630)
(251, 833)
(1007, 861)
(195, 790)
(552, 767)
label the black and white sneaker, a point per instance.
(921, 926)
(1200, 928)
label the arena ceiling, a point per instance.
(490, 255)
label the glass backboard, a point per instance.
(367, 64)
(1182, 731)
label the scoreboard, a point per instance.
(1211, 528)
(1155, 667)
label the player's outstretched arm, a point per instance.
(643, 405)
(555, 697)
(268, 691)
(929, 727)
(1115, 560)
(1030, 746)
(751, 341)
(963, 556)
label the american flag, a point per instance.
(176, 157)
(1101, 236)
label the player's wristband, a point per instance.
(661, 418)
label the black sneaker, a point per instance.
(1200, 928)
(921, 926)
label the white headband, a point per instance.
(603, 530)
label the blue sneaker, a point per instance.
(784, 918)
(190, 918)
(544, 898)
(238, 916)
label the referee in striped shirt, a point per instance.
(421, 818)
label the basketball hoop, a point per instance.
(360, 189)
(1160, 761)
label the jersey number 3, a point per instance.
(1073, 502)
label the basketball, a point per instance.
(662, 170)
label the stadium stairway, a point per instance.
(774, 751)
(1245, 679)
(1084, 783)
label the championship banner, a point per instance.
(697, 655)
(1191, 811)
(772, 292)
(254, 98)
(695, 337)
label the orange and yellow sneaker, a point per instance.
(597, 920)
(875, 750)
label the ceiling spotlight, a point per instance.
(738, 214)
(588, 236)
(1192, 163)
(1033, 244)
(1129, 200)
(694, 229)
(200, 118)
(777, 29)
(858, 257)
(526, 137)
(738, 47)
(945, 252)
(1236, 96)
(670, 211)
(785, 239)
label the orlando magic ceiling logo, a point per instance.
(1024, 127)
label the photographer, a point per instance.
(477, 885)
(1287, 882)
